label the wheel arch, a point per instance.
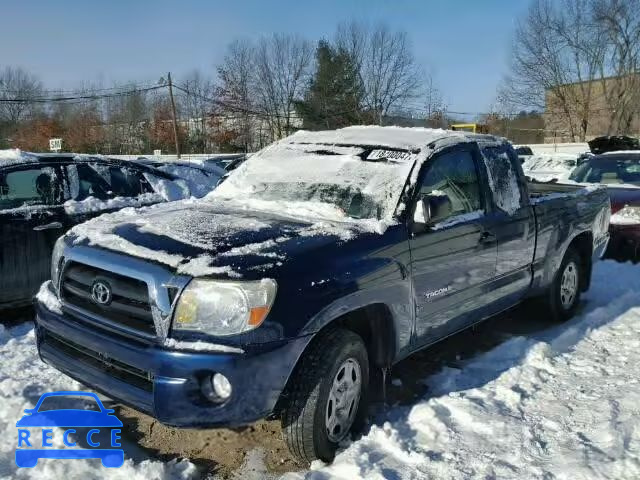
(374, 323)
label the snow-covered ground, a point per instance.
(564, 403)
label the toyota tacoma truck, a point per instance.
(319, 263)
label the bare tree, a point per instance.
(282, 70)
(434, 105)
(619, 21)
(558, 54)
(236, 93)
(17, 84)
(387, 68)
(197, 105)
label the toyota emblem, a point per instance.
(101, 292)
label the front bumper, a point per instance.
(165, 383)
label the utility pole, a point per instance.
(173, 110)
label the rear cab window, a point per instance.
(504, 178)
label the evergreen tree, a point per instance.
(334, 97)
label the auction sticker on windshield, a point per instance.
(396, 155)
(55, 429)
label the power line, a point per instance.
(80, 97)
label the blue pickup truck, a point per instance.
(323, 259)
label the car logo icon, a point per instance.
(101, 292)
(73, 421)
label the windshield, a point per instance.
(338, 182)
(608, 170)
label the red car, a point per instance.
(620, 172)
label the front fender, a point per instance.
(396, 297)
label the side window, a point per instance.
(32, 186)
(503, 179)
(104, 181)
(86, 181)
(128, 182)
(454, 174)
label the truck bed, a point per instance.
(562, 210)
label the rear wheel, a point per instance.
(564, 294)
(327, 396)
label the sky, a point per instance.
(464, 44)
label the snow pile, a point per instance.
(93, 204)
(14, 156)
(23, 378)
(547, 166)
(563, 404)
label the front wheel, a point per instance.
(564, 294)
(328, 396)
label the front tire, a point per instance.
(328, 396)
(564, 294)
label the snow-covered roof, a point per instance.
(14, 157)
(404, 138)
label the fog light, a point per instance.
(221, 386)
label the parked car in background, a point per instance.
(227, 162)
(619, 171)
(523, 152)
(613, 143)
(201, 179)
(324, 258)
(42, 196)
(546, 167)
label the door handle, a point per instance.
(48, 226)
(487, 237)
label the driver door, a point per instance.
(453, 256)
(31, 220)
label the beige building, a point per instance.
(580, 111)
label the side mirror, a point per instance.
(422, 214)
(432, 208)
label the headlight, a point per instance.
(627, 216)
(56, 258)
(222, 307)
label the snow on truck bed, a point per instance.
(562, 403)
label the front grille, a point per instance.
(129, 306)
(126, 373)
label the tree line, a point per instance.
(574, 69)
(578, 61)
(261, 91)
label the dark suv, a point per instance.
(42, 196)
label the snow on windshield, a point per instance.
(335, 182)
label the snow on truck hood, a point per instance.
(211, 238)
